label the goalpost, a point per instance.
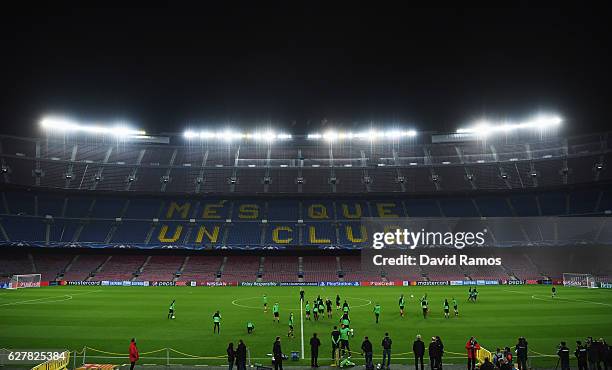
(24, 281)
(579, 280)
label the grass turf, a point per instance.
(105, 318)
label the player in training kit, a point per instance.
(377, 311)
(275, 312)
(322, 309)
(290, 334)
(424, 306)
(554, 292)
(307, 308)
(301, 294)
(475, 292)
(315, 311)
(345, 307)
(446, 308)
(217, 323)
(345, 319)
(265, 303)
(470, 294)
(344, 340)
(337, 301)
(328, 303)
(402, 303)
(250, 327)
(171, 310)
(455, 307)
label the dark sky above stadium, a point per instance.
(303, 68)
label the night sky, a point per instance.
(304, 68)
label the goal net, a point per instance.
(579, 280)
(24, 281)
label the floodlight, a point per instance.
(330, 136)
(190, 134)
(62, 124)
(485, 127)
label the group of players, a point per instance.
(320, 309)
(446, 306)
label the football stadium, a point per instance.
(111, 234)
(261, 187)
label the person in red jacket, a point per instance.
(133, 354)
(472, 348)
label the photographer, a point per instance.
(498, 357)
(521, 353)
(386, 345)
(593, 354)
(472, 348)
(366, 348)
(581, 356)
(434, 354)
(441, 348)
(277, 354)
(508, 355)
(563, 354)
(602, 347)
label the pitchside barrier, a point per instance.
(170, 356)
(483, 353)
(58, 364)
(127, 283)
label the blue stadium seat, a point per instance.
(605, 204)
(207, 233)
(50, 205)
(582, 202)
(169, 233)
(247, 210)
(62, 231)
(20, 203)
(352, 233)
(281, 234)
(458, 207)
(214, 209)
(95, 231)
(351, 209)
(30, 229)
(318, 210)
(493, 207)
(283, 210)
(524, 205)
(78, 207)
(387, 208)
(108, 207)
(143, 209)
(319, 233)
(244, 233)
(131, 232)
(553, 203)
(422, 208)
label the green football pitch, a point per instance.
(104, 319)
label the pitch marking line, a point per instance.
(533, 296)
(52, 299)
(570, 300)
